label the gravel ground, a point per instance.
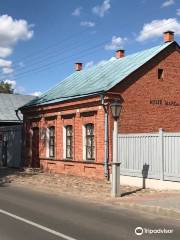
(81, 187)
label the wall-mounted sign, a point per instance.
(156, 102)
(164, 102)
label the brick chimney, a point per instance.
(168, 36)
(120, 53)
(78, 66)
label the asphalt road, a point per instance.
(30, 215)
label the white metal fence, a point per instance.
(155, 155)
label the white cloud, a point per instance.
(178, 11)
(5, 63)
(5, 52)
(37, 93)
(116, 43)
(6, 66)
(12, 31)
(100, 10)
(7, 70)
(77, 11)
(12, 82)
(167, 3)
(17, 89)
(89, 64)
(87, 24)
(20, 89)
(157, 27)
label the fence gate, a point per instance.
(155, 155)
(10, 146)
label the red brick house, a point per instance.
(69, 128)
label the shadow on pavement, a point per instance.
(131, 192)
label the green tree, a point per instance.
(6, 87)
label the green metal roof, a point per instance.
(99, 78)
(9, 103)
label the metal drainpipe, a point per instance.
(20, 120)
(22, 139)
(106, 173)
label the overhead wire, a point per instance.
(61, 60)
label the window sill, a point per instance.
(89, 160)
(74, 161)
(50, 158)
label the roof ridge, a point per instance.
(98, 78)
(99, 64)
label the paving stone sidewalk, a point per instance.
(166, 203)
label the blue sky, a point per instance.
(41, 39)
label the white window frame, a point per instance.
(47, 142)
(84, 141)
(64, 142)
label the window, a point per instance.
(160, 73)
(51, 142)
(69, 141)
(90, 141)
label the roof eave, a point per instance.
(75, 97)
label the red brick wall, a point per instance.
(138, 115)
(77, 116)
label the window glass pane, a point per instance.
(51, 151)
(69, 130)
(51, 141)
(68, 141)
(88, 153)
(89, 129)
(69, 146)
(68, 152)
(51, 131)
(90, 141)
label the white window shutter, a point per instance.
(64, 142)
(47, 142)
(84, 141)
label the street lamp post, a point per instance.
(115, 190)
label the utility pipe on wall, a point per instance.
(106, 172)
(17, 114)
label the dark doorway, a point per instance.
(35, 148)
(4, 152)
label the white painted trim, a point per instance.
(47, 142)
(138, 135)
(64, 142)
(84, 141)
(171, 134)
(166, 134)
